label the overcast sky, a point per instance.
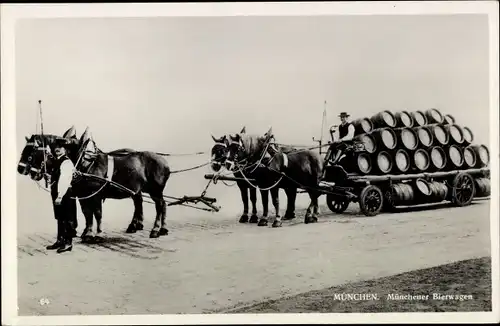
(165, 84)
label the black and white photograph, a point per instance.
(252, 162)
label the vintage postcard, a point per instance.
(229, 163)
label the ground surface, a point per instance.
(214, 264)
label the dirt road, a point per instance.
(210, 265)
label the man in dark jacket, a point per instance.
(64, 205)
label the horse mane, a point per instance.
(252, 145)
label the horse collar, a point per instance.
(285, 160)
(111, 166)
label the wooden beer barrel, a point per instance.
(470, 157)
(455, 156)
(482, 155)
(468, 135)
(407, 137)
(385, 138)
(363, 163)
(384, 162)
(448, 119)
(402, 161)
(483, 187)
(419, 119)
(421, 160)
(439, 191)
(434, 116)
(425, 137)
(423, 191)
(438, 158)
(455, 133)
(404, 119)
(423, 187)
(368, 141)
(362, 126)
(402, 194)
(439, 134)
(384, 119)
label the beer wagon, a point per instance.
(407, 159)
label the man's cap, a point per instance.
(344, 114)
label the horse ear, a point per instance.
(269, 133)
(27, 139)
(84, 136)
(71, 132)
(215, 139)
(243, 130)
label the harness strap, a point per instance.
(111, 167)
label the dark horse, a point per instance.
(245, 155)
(119, 174)
(282, 166)
(219, 153)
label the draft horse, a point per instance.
(284, 167)
(120, 174)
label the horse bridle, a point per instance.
(46, 154)
(241, 148)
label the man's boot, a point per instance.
(68, 239)
(60, 241)
(67, 246)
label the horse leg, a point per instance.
(265, 207)
(313, 206)
(98, 218)
(137, 220)
(163, 230)
(244, 197)
(253, 198)
(160, 208)
(275, 197)
(88, 211)
(291, 194)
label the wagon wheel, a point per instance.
(371, 200)
(463, 189)
(336, 205)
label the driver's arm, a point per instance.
(350, 133)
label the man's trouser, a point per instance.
(65, 214)
(334, 150)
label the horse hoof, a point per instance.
(310, 220)
(254, 219)
(163, 231)
(277, 224)
(131, 229)
(243, 219)
(154, 234)
(140, 227)
(98, 239)
(289, 217)
(262, 222)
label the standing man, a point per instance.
(346, 133)
(64, 205)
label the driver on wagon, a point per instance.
(346, 133)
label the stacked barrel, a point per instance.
(416, 142)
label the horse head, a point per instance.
(30, 162)
(244, 147)
(38, 154)
(218, 153)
